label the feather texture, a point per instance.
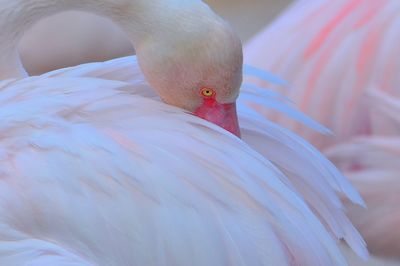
(314, 177)
(96, 170)
(341, 62)
(87, 179)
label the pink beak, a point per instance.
(223, 115)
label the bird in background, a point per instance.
(104, 163)
(341, 61)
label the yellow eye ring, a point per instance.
(206, 92)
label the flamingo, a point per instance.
(104, 163)
(341, 59)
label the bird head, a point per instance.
(195, 63)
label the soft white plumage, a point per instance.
(100, 171)
(341, 60)
(111, 184)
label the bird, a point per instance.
(340, 61)
(106, 164)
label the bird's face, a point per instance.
(200, 72)
(222, 114)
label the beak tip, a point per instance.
(233, 128)
(237, 134)
(223, 115)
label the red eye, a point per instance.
(207, 92)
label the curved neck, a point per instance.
(140, 19)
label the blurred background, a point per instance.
(80, 37)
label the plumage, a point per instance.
(97, 170)
(86, 177)
(372, 164)
(340, 59)
(306, 170)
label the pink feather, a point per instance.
(341, 61)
